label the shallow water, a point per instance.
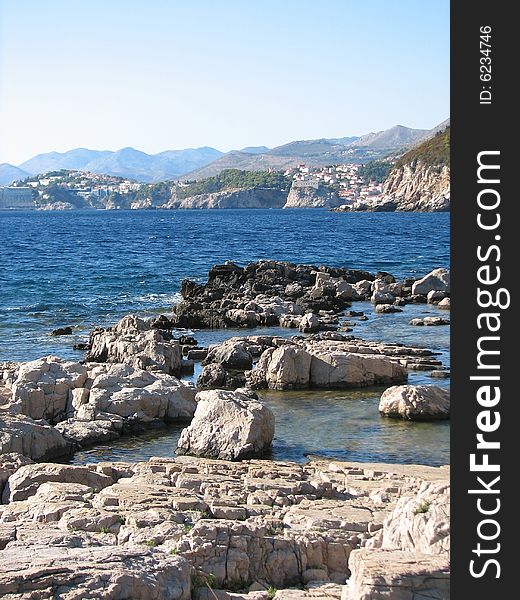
(89, 268)
(341, 424)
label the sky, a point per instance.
(169, 74)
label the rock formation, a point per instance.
(415, 402)
(135, 342)
(228, 425)
(311, 194)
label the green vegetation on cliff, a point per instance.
(375, 171)
(235, 179)
(434, 152)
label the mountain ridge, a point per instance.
(205, 161)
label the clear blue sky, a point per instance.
(167, 74)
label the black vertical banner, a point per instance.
(484, 37)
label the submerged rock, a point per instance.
(227, 425)
(415, 402)
(62, 331)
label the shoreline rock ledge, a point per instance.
(169, 529)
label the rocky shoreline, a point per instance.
(217, 520)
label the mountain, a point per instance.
(255, 149)
(312, 148)
(10, 173)
(395, 137)
(75, 159)
(126, 162)
(319, 152)
(243, 161)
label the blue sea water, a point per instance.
(89, 268)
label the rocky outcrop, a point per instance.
(42, 387)
(26, 481)
(87, 403)
(9, 464)
(140, 395)
(420, 523)
(311, 194)
(333, 360)
(227, 425)
(415, 402)
(233, 198)
(135, 342)
(262, 294)
(429, 322)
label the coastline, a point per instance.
(222, 517)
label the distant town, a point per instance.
(70, 189)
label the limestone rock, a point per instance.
(212, 376)
(436, 280)
(387, 309)
(231, 354)
(34, 439)
(88, 433)
(420, 523)
(135, 342)
(416, 186)
(42, 387)
(309, 323)
(445, 304)
(128, 392)
(384, 574)
(415, 402)
(287, 367)
(9, 464)
(27, 479)
(227, 425)
(338, 369)
(111, 573)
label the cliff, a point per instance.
(311, 195)
(419, 181)
(233, 198)
(418, 187)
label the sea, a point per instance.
(85, 269)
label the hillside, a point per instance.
(234, 179)
(433, 152)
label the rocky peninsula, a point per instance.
(219, 519)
